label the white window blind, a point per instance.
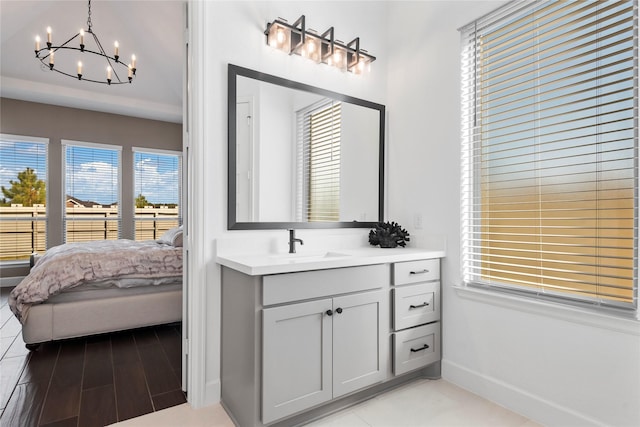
(23, 211)
(157, 192)
(319, 131)
(550, 155)
(92, 186)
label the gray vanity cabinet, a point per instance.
(316, 351)
(296, 345)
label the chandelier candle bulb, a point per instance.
(37, 44)
(109, 75)
(49, 36)
(82, 40)
(79, 69)
(116, 46)
(51, 60)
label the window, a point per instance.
(23, 202)
(92, 186)
(319, 130)
(156, 191)
(549, 164)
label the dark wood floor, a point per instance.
(91, 381)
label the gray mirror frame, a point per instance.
(233, 72)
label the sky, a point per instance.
(92, 173)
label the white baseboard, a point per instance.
(212, 393)
(9, 282)
(515, 399)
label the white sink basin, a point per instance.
(307, 257)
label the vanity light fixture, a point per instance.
(94, 56)
(320, 48)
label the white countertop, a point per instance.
(263, 264)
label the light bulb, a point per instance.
(117, 46)
(280, 37)
(49, 34)
(81, 36)
(337, 57)
(109, 73)
(37, 43)
(133, 61)
(79, 67)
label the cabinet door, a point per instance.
(296, 358)
(360, 341)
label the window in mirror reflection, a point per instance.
(318, 159)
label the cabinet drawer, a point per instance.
(416, 304)
(290, 287)
(416, 348)
(416, 271)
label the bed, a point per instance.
(80, 289)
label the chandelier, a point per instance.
(94, 56)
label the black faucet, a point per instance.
(292, 241)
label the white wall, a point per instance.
(557, 366)
(275, 154)
(359, 158)
(232, 32)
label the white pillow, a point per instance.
(172, 237)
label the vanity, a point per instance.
(305, 334)
(310, 333)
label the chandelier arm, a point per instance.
(119, 82)
(103, 53)
(64, 45)
(56, 48)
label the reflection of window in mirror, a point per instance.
(318, 162)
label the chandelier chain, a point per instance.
(89, 17)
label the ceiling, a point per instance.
(150, 29)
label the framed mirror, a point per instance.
(301, 156)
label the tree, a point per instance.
(27, 190)
(141, 201)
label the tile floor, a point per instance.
(420, 403)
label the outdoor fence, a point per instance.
(23, 229)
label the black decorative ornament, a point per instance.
(388, 235)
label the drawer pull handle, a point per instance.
(424, 347)
(338, 310)
(329, 313)
(425, 271)
(424, 304)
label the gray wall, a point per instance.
(58, 123)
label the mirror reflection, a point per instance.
(301, 156)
